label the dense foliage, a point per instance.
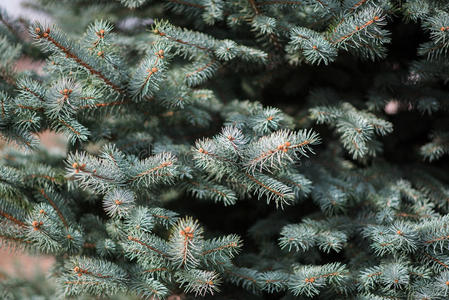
(330, 182)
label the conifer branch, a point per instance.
(30, 107)
(134, 239)
(210, 189)
(252, 279)
(150, 171)
(27, 89)
(130, 105)
(358, 4)
(14, 239)
(201, 68)
(254, 6)
(81, 282)
(155, 270)
(277, 193)
(8, 25)
(177, 40)
(231, 244)
(106, 104)
(195, 5)
(52, 203)
(274, 2)
(437, 260)
(356, 30)
(50, 178)
(40, 33)
(81, 271)
(69, 127)
(12, 219)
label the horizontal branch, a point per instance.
(131, 238)
(12, 219)
(265, 186)
(149, 171)
(230, 245)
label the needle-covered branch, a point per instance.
(117, 126)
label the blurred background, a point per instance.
(18, 8)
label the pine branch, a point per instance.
(47, 38)
(52, 203)
(12, 219)
(186, 243)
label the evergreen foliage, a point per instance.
(157, 192)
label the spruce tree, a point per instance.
(238, 149)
